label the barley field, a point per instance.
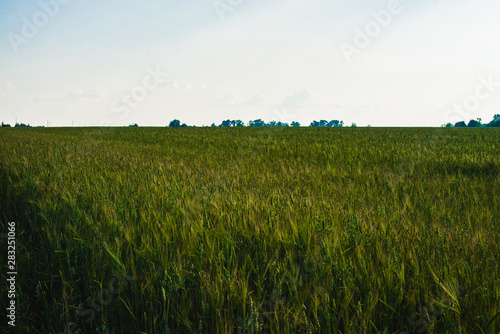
(254, 230)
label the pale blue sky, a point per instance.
(269, 59)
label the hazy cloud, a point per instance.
(5, 88)
(94, 93)
(236, 100)
(256, 101)
(76, 94)
(303, 99)
(229, 100)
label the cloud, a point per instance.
(256, 101)
(94, 93)
(41, 98)
(6, 88)
(303, 99)
(170, 83)
(76, 94)
(186, 86)
(229, 100)
(236, 100)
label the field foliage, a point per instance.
(249, 230)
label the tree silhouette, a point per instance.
(257, 122)
(495, 123)
(474, 123)
(175, 123)
(225, 123)
(324, 123)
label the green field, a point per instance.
(250, 230)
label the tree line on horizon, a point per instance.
(20, 125)
(475, 123)
(495, 123)
(259, 122)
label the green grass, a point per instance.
(236, 230)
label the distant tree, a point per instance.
(5, 125)
(133, 125)
(213, 125)
(282, 124)
(495, 123)
(184, 125)
(295, 124)
(228, 123)
(335, 123)
(225, 123)
(460, 124)
(353, 125)
(257, 122)
(474, 123)
(448, 125)
(272, 123)
(324, 123)
(22, 125)
(175, 123)
(319, 124)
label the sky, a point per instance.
(383, 63)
